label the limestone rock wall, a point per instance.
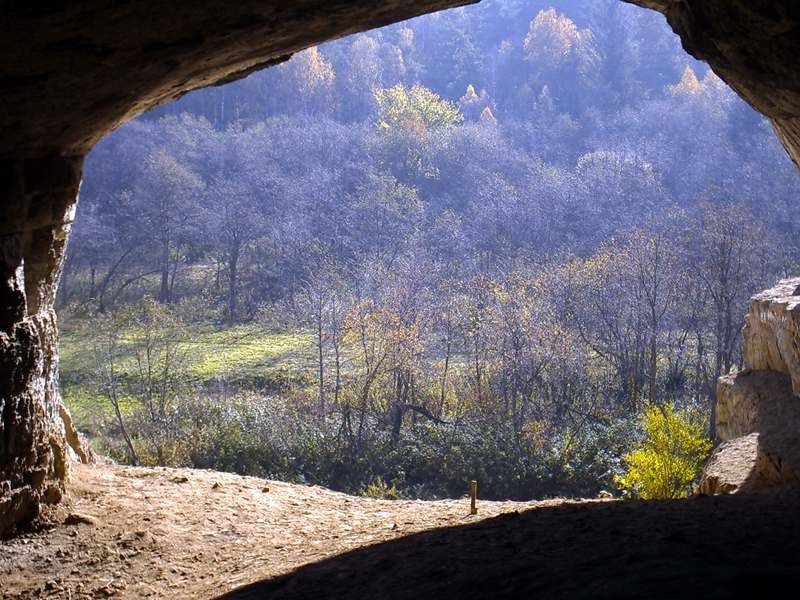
(771, 334)
(758, 409)
(39, 201)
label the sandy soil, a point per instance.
(182, 533)
(176, 533)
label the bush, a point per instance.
(669, 457)
(281, 437)
(381, 490)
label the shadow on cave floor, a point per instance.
(745, 546)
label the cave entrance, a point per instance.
(48, 128)
(341, 270)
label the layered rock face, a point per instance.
(758, 409)
(772, 331)
(39, 203)
(72, 71)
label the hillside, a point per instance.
(479, 244)
(177, 533)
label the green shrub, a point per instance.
(381, 490)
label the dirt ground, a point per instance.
(177, 533)
(183, 533)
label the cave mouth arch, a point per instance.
(71, 74)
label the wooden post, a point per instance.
(473, 497)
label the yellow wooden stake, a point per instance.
(473, 497)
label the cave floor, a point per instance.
(178, 533)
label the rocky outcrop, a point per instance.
(771, 333)
(755, 401)
(758, 409)
(758, 418)
(34, 223)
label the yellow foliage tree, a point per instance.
(689, 84)
(407, 117)
(669, 458)
(417, 107)
(313, 76)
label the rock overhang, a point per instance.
(72, 72)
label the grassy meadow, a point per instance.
(243, 356)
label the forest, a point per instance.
(481, 244)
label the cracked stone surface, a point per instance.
(758, 409)
(772, 331)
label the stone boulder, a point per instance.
(758, 419)
(758, 409)
(730, 467)
(744, 464)
(755, 401)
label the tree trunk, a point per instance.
(653, 369)
(443, 394)
(338, 365)
(233, 265)
(172, 276)
(112, 394)
(163, 293)
(478, 391)
(320, 364)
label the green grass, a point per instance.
(232, 353)
(237, 352)
(245, 355)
